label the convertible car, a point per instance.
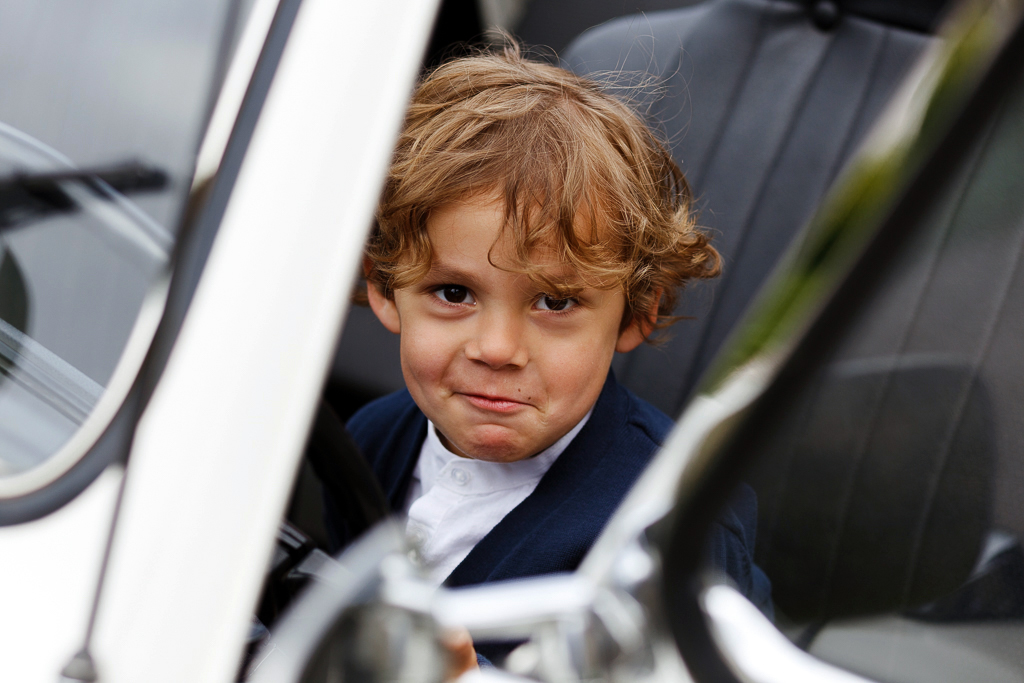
(175, 271)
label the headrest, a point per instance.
(916, 15)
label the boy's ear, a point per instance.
(638, 329)
(383, 307)
(632, 337)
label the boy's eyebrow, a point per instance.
(563, 282)
(440, 271)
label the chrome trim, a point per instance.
(754, 649)
(355, 579)
(513, 609)
(581, 627)
(489, 675)
(375, 573)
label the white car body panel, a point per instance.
(216, 451)
(49, 577)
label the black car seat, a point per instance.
(762, 101)
(554, 24)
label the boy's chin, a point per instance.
(499, 447)
(499, 455)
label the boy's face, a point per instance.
(501, 369)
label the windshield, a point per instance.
(103, 108)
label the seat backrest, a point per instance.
(859, 482)
(890, 471)
(762, 102)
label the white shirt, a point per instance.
(453, 502)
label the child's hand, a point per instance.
(459, 644)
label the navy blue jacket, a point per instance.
(554, 527)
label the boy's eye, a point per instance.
(550, 303)
(454, 294)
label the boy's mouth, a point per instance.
(495, 404)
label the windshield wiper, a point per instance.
(26, 197)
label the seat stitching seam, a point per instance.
(758, 198)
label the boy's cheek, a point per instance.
(585, 351)
(426, 351)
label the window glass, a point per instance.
(890, 494)
(113, 87)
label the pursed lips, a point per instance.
(493, 402)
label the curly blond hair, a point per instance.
(578, 171)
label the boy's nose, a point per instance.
(497, 342)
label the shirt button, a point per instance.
(417, 536)
(461, 477)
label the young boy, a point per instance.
(530, 227)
